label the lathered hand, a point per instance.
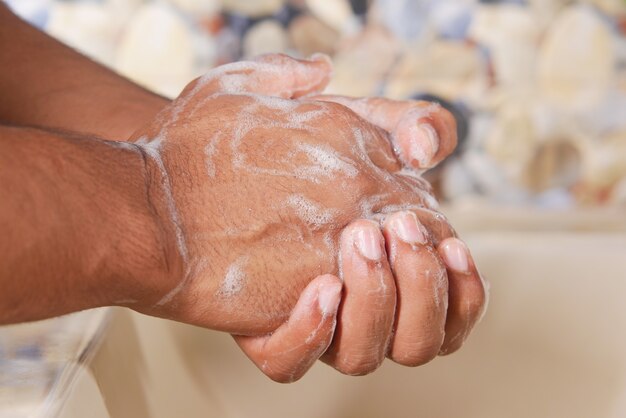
(267, 196)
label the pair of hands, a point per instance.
(300, 224)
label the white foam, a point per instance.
(234, 279)
(327, 162)
(245, 76)
(209, 153)
(310, 212)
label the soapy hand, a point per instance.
(300, 225)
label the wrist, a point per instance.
(164, 258)
(148, 260)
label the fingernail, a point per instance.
(328, 298)
(408, 230)
(424, 144)
(368, 241)
(455, 254)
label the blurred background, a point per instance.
(538, 86)
(537, 189)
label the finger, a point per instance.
(365, 319)
(422, 291)
(467, 294)
(437, 225)
(287, 354)
(296, 78)
(268, 75)
(424, 133)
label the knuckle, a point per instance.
(418, 357)
(418, 353)
(362, 185)
(342, 117)
(281, 375)
(335, 108)
(358, 366)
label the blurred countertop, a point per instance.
(41, 361)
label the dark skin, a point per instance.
(115, 198)
(52, 86)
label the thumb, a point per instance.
(289, 352)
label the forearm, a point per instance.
(77, 229)
(45, 83)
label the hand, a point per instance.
(264, 201)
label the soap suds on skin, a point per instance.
(209, 152)
(242, 76)
(410, 122)
(317, 329)
(441, 283)
(325, 162)
(310, 212)
(361, 150)
(234, 278)
(151, 148)
(247, 121)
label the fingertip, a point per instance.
(444, 123)
(425, 134)
(366, 236)
(417, 139)
(322, 68)
(467, 293)
(324, 61)
(455, 255)
(458, 259)
(406, 227)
